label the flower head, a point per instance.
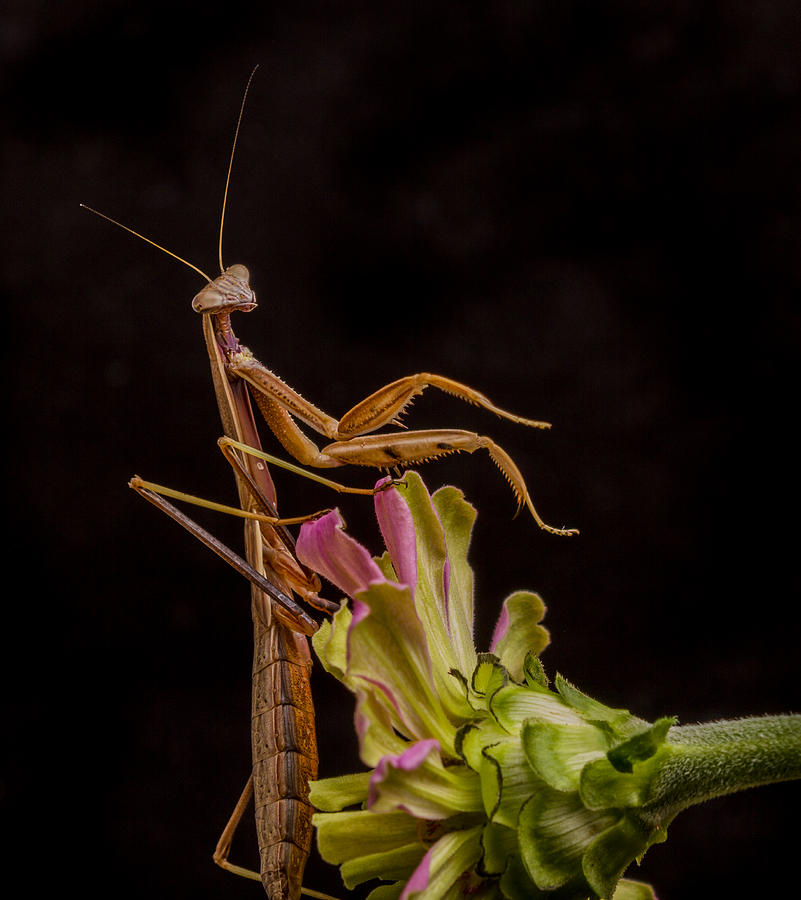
(475, 780)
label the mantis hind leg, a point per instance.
(223, 848)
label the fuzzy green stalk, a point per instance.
(718, 758)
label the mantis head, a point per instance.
(228, 292)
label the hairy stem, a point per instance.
(705, 761)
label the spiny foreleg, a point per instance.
(388, 403)
(383, 406)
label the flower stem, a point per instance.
(710, 760)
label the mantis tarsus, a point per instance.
(283, 733)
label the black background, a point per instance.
(589, 211)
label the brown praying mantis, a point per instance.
(283, 731)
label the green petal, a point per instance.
(392, 865)
(554, 830)
(386, 892)
(333, 794)
(388, 653)
(523, 633)
(451, 856)
(384, 562)
(342, 836)
(457, 517)
(428, 791)
(375, 728)
(558, 752)
(330, 643)
(447, 615)
(633, 890)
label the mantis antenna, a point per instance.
(146, 240)
(225, 200)
(231, 164)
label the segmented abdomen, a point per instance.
(284, 756)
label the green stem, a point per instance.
(705, 761)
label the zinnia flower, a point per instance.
(475, 767)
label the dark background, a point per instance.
(590, 211)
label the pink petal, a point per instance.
(323, 546)
(446, 588)
(501, 627)
(360, 612)
(385, 688)
(420, 877)
(407, 761)
(397, 529)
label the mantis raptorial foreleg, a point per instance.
(281, 405)
(384, 406)
(353, 445)
(388, 403)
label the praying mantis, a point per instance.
(282, 726)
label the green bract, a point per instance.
(482, 781)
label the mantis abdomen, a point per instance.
(284, 755)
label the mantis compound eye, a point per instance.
(207, 300)
(238, 271)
